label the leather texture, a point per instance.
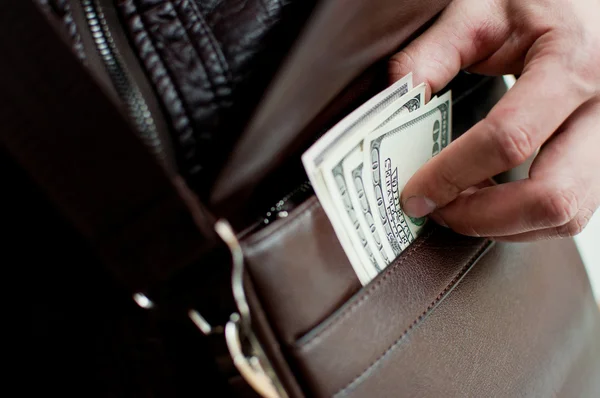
(515, 326)
(296, 296)
(210, 62)
(357, 339)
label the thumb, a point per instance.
(456, 41)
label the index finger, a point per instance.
(523, 119)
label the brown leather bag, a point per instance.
(452, 316)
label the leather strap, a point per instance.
(149, 228)
(62, 128)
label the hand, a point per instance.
(555, 45)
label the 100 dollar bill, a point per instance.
(365, 118)
(359, 168)
(394, 154)
(342, 172)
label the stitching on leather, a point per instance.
(360, 378)
(197, 18)
(169, 73)
(214, 42)
(257, 242)
(192, 43)
(306, 345)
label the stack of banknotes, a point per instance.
(359, 168)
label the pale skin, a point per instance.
(555, 105)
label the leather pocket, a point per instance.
(355, 340)
(336, 330)
(300, 271)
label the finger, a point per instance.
(557, 200)
(454, 42)
(572, 228)
(469, 191)
(510, 209)
(523, 119)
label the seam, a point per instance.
(196, 19)
(363, 375)
(191, 43)
(215, 43)
(169, 73)
(252, 246)
(306, 345)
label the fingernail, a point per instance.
(438, 220)
(418, 206)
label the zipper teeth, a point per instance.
(301, 189)
(277, 211)
(126, 89)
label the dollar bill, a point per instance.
(353, 123)
(394, 153)
(342, 172)
(361, 119)
(359, 168)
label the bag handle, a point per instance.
(66, 133)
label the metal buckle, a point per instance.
(246, 351)
(244, 347)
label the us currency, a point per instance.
(353, 123)
(393, 154)
(342, 171)
(365, 118)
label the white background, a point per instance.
(589, 247)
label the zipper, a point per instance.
(111, 58)
(281, 209)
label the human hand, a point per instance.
(555, 46)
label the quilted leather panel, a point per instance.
(210, 62)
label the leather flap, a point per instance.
(342, 39)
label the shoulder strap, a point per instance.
(59, 125)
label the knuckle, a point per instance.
(577, 225)
(560, 206)
(512, 141)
